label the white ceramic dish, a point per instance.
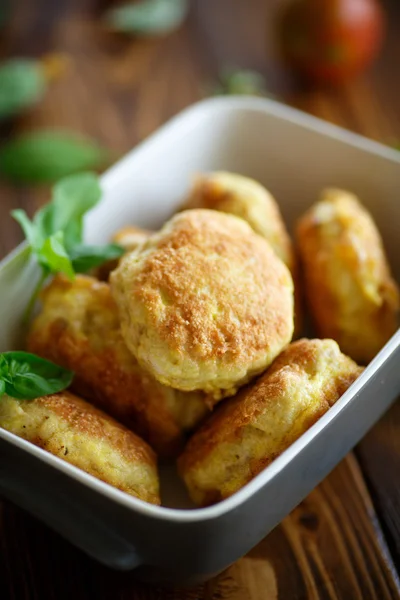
(295, 156)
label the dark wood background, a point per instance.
(343, 541)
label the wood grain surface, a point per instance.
(343, 541)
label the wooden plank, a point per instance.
(379, 456)
(331, 546)
(327, 548)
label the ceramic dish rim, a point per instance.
(306, 121)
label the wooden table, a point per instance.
(343, 541)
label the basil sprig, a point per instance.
(22, 84)
(148, 17)
(84, 258)
(47, 155)
(25, 376)
(240, 82)
(55, 234)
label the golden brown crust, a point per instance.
(205, 304)
(79, 328)
(351, 294)
(248, 431)
(95, 424)
(78, 433)
(245, 198)
(129, 237)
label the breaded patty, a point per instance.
(351, 294)
(129, 237)
(78, 328)
(249, 200)
(249, 431)
(205, 304)
(78, 433)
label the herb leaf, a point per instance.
(22, 83)
(43, 221)
(148, 17)
(32, 233)
(49, 247)
(54, 257)
(72, 197)
(55, 234)
(85, 258)
(26, 376)
(241, 83)
(46, 156)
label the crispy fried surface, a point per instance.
(249, 200)
(248, 431)
(78, 328)
(75, 431)
(129, 237)
(351, 294)
(205, 304)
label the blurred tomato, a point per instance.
(331, 40)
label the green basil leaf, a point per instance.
(72, 197)
(31, 363)
(43, 220)
(148, 17)
(85, 258)
(73, 233)
(3, 366)
(241, 83)
(16, 367)
(30, 386)
(55, 234)
(30, 376)
(54, 256)
(22, 83)
(32, 233)
(46, 156)
(2, 387)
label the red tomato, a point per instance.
(331, 40)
